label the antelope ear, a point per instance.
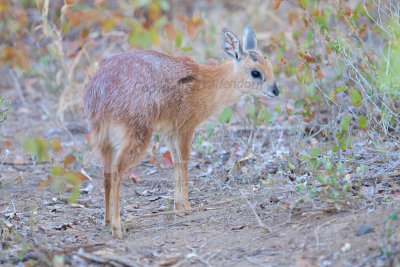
(231, 44)
(249, 39)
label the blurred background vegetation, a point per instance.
(336, 62)
(332, 134)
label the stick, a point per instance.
(108, 261)
(17, 87)
(91, 257)
(381, 177)
(317, 229)
(260, 223)
(83, 201)
(203, 208)
(27, 163)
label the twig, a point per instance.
(236, 165)
(203, 208)
(109, 261)
(357, 193)
(381, 177)
(12, 202)
(260, 223)
(252, 132)
(388, 59)
(5, 156)
(319, 211)
(73, 249)
(17, 86)
(84, 201)
(318, 227)
(27, 163)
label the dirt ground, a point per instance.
(40, 226)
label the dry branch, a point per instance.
(173, 212)
(260, 223)
(26, 163)
(108, 261)
(17, 87)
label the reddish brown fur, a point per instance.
(137, 93)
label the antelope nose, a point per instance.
(275, 89)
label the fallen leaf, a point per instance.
(284, 202)
(45, 183)
(135, 179)
(292, 17)
(169, 261)
(153, 160)
(100, 2)
(8, 143)
(56, 145)
(299, 69)
(68, 160)
(68, 187)
(15, 57)
(275, 4)
(307, 57)
(154, 11)
(170, 31)
(348, 12)
(320, 74)
(167, 159)
(302, 263)
(19, 160)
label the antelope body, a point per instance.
(137, 93)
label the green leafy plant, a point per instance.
(390, 246)
(350, 82)
(332, 183)
(63, 175)
(3, 109)
(200, 145)
(226, 115)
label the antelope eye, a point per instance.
(255, 74)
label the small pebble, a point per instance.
(364, 229)
(346, 247)
(326, 263)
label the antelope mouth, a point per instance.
(269, 94)
(272, 90)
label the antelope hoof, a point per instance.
(107, 222)
(116, 232)
(183, 206)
